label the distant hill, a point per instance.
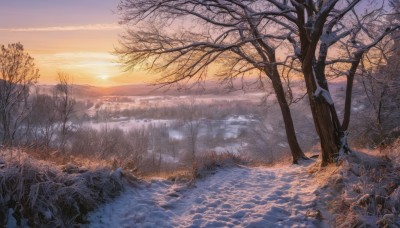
(208, 87)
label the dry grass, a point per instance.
(323, 174)
(208, 164)
(42, 194)
(392, 152)
(363, 191)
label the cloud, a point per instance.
(89, 27)
(75, 60)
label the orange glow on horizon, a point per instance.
(93, 68)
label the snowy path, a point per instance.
(237, 197)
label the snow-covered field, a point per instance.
(227, 130)
(128, 124)
(233, 197)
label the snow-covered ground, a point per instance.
(234, 197)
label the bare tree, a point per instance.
(382, 83)
(18, 73)
(191, 119)
(224, 36)
(260, 37)
(64, 103)
(42, 123)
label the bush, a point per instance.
(208, 163)
(364, 192)
(42, 195)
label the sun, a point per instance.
(103, 76)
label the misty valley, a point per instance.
(160, 134)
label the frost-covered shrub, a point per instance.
(209, 162)
(364, 192)
(42, 195)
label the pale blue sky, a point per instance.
(28, 13)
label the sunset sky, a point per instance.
(74, 36)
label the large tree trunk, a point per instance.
(295, 149)
(324, 116)
(273, 74)
(325, 129)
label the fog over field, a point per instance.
(176, 124)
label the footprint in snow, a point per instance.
(244, 197)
